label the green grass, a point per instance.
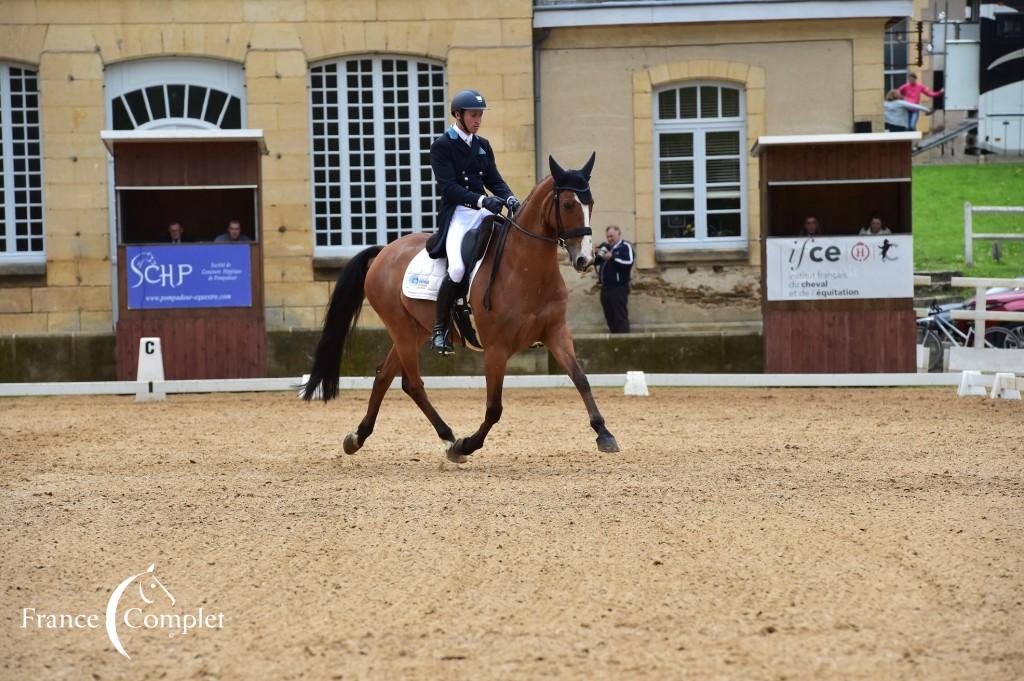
(939, 195)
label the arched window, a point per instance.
(700, 165)
(175, 93)
(21, 172)
(373, 119)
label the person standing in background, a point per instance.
(897, 111)
(911, 91)
(614, 262)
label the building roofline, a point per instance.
(567, 13)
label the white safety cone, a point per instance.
(636, 384)
(1005, 387)
(971, 384)
(150, 374)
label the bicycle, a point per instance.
(937, 331)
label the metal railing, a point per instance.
(970, 236)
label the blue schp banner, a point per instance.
(189, 276)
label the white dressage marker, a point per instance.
(150, 376)
(636, 384)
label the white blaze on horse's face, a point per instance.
(584, 259)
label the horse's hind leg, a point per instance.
(386, 372)
(412, 384)
(559, 344)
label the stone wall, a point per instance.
(484, 45)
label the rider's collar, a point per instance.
(455, 132)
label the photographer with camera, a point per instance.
(614, 260)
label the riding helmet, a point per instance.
(468, 99)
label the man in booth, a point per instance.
(811, 228)
(176, 233)
(233, 235)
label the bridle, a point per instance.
(562, 234)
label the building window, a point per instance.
(175, 93)
(896, 47)
(21, 172)
(157, 105)
(373, 122)
(700, 166)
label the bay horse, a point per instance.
(527, 303)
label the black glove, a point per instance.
(493, 204)
(513, 204)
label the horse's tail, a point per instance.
(342, 315)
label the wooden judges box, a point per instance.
(201, 294)
(838, 299)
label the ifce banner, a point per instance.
(188, 276)
(827, 268)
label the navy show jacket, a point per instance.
(462, 173)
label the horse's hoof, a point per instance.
(454, 452)
(351, 443)
(607, 444)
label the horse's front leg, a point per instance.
(559, 344)
(495, 360)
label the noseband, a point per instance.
(564, 234)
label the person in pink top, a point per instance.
(911, 91)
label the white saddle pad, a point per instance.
(424, 275)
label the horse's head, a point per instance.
(572, 206)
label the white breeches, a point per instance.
(464, 220)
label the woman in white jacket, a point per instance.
(896, 109)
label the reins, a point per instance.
(509, 221)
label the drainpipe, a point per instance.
(538, 39)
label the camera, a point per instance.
(602, 250)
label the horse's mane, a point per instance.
(534, 190)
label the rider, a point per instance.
(464, 166)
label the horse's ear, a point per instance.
(556, 170)
(589, 165)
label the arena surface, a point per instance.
(740, 534)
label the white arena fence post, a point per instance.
(970, 236)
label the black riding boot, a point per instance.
(446, 296)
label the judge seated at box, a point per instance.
(875, 227)
(234, 233)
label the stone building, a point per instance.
(671, 95)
